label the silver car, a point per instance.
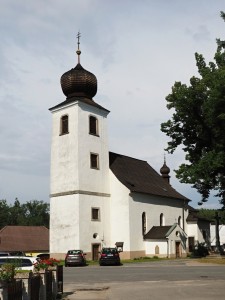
(75, 258)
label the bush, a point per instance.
(200, 250)
(7, 272)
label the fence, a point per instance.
(41, 286)
(15, 290)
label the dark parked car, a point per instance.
(109, 256)
(75, 258)
(12, 253)
(43, 256)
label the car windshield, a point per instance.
(74, 252)
(16, 261)
(109, 250)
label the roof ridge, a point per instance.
(128, 156)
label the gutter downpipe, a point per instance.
(167, 247)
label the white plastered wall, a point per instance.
(64, 223)
(119, 213)
(89, 227)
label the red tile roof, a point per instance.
(24, 238)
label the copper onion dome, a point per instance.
(78, 81)
(165, 171)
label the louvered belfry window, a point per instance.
(64, 124)
(93, 125)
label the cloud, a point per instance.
(137, 50)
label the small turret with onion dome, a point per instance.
(165, 170)
(79, 82)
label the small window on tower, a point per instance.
(95, 214)
(93, 125)
(64, 124)
(94, 161)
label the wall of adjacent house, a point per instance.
(221, 234)
(197, 229)
(192, 230)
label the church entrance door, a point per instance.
(95, 251)
(177, 249)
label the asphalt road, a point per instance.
(177, 279)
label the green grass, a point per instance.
(219, 261)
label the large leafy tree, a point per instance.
(211, 213)
(31, 213)
(4, 213)
(198, 125)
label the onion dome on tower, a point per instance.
(79, 82)
(79, 85)
(165, 171)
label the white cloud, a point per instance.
(137, 50)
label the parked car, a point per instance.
(109, 256)
(20, 262)
(43, 256)
(12, 253)
(75, 257)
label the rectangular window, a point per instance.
(64, 125)
(94, 161)
(93, 125)
(95, 214)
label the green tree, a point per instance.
(4, 213)
(210, 214)
(198, 124)
(36, 213)
(31, 213)
(16, 213)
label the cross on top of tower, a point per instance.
(78, 45)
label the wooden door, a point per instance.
(177, 249)
(95, 251)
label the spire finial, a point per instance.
(78, 44)
(164, 158)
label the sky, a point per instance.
(137, 49)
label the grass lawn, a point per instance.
(219, 261)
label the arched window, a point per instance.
(179, 220)
(93, 125)
(143, 223)
(64, 125)
(162, 220)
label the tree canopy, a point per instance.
(198, 125)
(211, 213)
(31, 213)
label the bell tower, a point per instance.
(79, 177)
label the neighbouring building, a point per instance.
(31, 240)
(221, 230)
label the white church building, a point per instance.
(104, 199)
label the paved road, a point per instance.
(177, 279)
